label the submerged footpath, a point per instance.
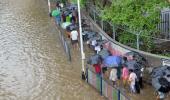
(146, 93)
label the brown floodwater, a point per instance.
(33, 65)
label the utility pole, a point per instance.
(81, 42)
(49, 6)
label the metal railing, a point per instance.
(164, 26)
(64, 43)
(105, 88)
(52, 5)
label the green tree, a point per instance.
(137, 15)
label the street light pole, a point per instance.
(49, 6)
(81, 41)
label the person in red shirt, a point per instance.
(97, 68)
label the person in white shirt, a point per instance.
(97, 48)
(113, 75)
(93, 43)
(132, 79)
(74, 38)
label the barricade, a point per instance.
(105, 88)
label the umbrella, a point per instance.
(104, 53)
(89, 34)
(101, 42)
(112, 61)
(156, 72)
(65, 24)
(93, 38)
(72, 27)
(160, 71)
(72, 6)
(67, 12)
(161, 78)
(55, 12)
(94, 59)
(134, 65)
(139, 58)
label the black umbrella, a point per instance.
(101, 42)
(135, 66)
(72, 27)
(138, 57)
(89, 34)
(94, 59)
(104, 53)
(161, 78)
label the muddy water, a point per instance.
(33, 65)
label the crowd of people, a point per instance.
(119, 69)
(120, 73)
(123, 73)
(66, 16)
(116, 73)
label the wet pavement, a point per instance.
(33, 65)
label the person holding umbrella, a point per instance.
(113, 62)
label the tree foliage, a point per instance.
(137, 15)
(127, 39)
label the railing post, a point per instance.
(118, 94)
(87, 74)
(113, 33)
(94, 15)
(102, 24)
(137, 41)
(67, 51)
(101, 85)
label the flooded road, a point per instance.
(33, 65)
